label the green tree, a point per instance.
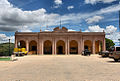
(4, 49)
(109, 43)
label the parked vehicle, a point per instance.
(111, 50)
(115, 53)
(104, 53)
(20, 51)
(86, 52)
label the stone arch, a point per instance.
(33, 47)
(60, 47)
(73, 47)
(88, 45)
(22, 44)
(47, 47)
(98, 46)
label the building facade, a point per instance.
(60, 41)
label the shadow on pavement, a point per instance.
(103, 57)
(113, 61)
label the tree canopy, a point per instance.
(109, 43)
(4, 49)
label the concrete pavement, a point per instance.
(60, 68)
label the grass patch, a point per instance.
(5, 59)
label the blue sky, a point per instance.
(33, 15)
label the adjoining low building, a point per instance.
(60, 41)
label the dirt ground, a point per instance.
(60, 68)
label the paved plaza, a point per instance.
(60, 68)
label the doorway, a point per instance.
(60, 47)
(60, 50)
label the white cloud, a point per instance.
(114, 36)
(25, 29)
(4, 38)
(98, 1)
(70, 7)
(94, 19)
(57, 3)
(107, 10)
(95, 28)
(47, 30)
(12, 18)
(4, 3)
(71, 30)
(110, 9)
(111, 31)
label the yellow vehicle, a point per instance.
(16, 51)
(23, 50)
(20, 51)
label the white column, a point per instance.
(38, 47)
(104, 44)
(39, 52)
(42, 46)
(68, 46)
(16, 44)
(82, 45)
(79, 47)
(55, 48)
(40, 43)
(27, 45)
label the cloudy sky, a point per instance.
(33, 15)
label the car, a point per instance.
(115, 53)
(104, 53)
(111, 50)
(86, 52)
